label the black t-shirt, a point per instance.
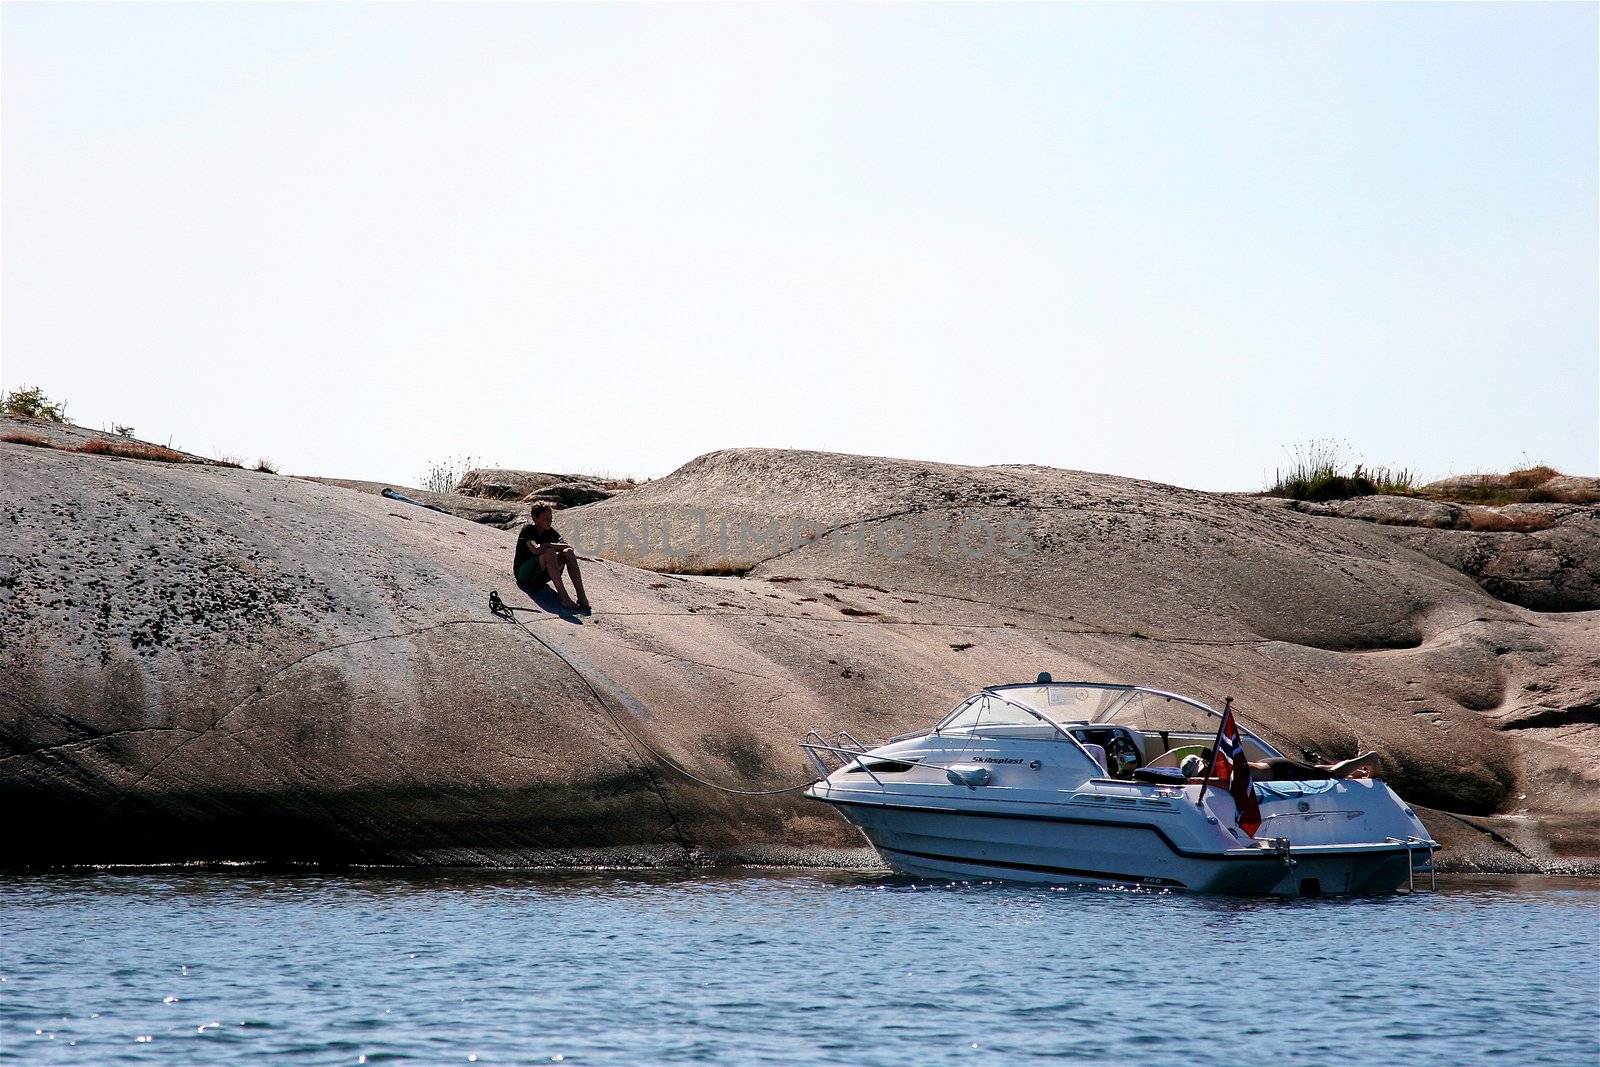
(530, 532)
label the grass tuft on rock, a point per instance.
(444, 476)
(1321, 472)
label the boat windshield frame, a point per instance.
(1103, 716)
(1063, 734)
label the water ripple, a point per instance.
(781, 968)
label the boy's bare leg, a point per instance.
(554, 563)
(1362, 766)
(1279, 769)
(570, 558)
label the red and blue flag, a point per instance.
(1230, 767)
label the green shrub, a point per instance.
(31, 403)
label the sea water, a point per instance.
(794, 967)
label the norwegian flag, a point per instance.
(1229, 767)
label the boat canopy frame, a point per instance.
(1104, 715)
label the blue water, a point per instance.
(783, 968)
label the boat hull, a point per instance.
(1057, 850)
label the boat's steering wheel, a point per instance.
(1122, 755)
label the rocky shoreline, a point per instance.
(212, 664)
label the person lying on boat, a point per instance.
(1281, 769)
(542, 557)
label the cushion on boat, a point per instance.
(1099, 754)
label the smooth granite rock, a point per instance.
(1393, 511)
(1544, 556)
(1572, 488)
(1535, 485)
(499, 484)
(205, 663)
(570, 494)
(489, 511)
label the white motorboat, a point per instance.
(1078, 782)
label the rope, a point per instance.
(507, 612)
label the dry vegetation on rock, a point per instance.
(118, 443)
(18, 438)
(139, 450)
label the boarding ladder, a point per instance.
(1427, 848)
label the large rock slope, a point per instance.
(1542, 556)
(207, 663)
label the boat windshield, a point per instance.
(1078, 702)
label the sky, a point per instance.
(1167, 241)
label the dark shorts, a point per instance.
(1288, 770)
(532, 572)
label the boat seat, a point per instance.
(1099, 754)
(1173, 757)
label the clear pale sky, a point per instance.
(1165, 241)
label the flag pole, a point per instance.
(1227, 703)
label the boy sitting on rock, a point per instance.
(542, 556)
